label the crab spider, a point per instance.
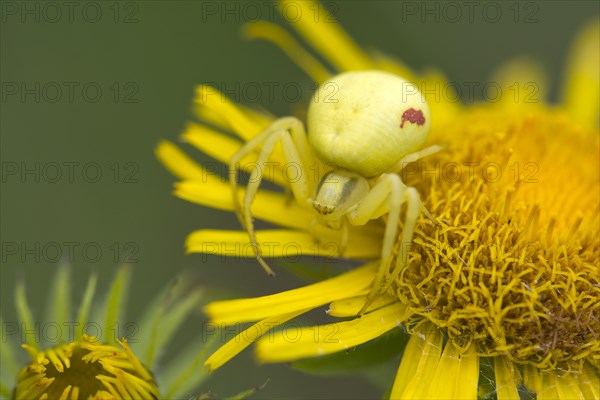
(367, 125)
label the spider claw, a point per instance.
(370, 298)
(364, 307)
(263, 263)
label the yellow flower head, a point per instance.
(502, 272)
(97, 354)
(85, 370)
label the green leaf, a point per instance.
(116, 300)
(86, 303)
(185, 373)
(356, 359)
(163, 318)
(5, 392)
(8, 360)
(24, 312)
(58, 307)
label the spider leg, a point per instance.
(412, 157)
(413, 207)
(278, 132)
(387, 193)
(344, 239)
(245, 150)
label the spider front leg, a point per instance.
(290, 133)
(415, 156)
(388, 195)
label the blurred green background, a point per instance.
(146, 57)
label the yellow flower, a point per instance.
(504, 280)
(98, 354)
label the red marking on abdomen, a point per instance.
(413, 116)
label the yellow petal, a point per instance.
(207, 114)
(211, 142)
(456, 375)
(179, 163)
(338, 47)
(443, 104)
(282, 39)
(568, 388)
(307, 297)
(209, 100)
(387, 63)
(468, 375)
(532, 378)
(443, 383)
(279, 243)
(522, 81)
(581, 90)
(351, 306)
(418, 364)
(549, 389)
(296, 342)
(223, 148)
(588, 382)
(506, 385)
(245, 339)
(268, 206)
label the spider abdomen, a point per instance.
(366, 121)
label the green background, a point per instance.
(162, 49)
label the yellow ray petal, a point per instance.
(180, 164)
(522, 81)
(338, 47)
(307, 297)
(351, 306)
(282, 39)
(209, 100)
(279, 243)
(443, 104)
(588, 382)
(568, 388)
(387, 63)
(468, 375)
(443, 383)
(223, 148)
(456, 375)
(268, 206)
(506, 384)
(246, 338)
(419, 361)
(210, 141)
(206, 114)
(297, 343)
(532, 378)
(549, 387)
(581, 91)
